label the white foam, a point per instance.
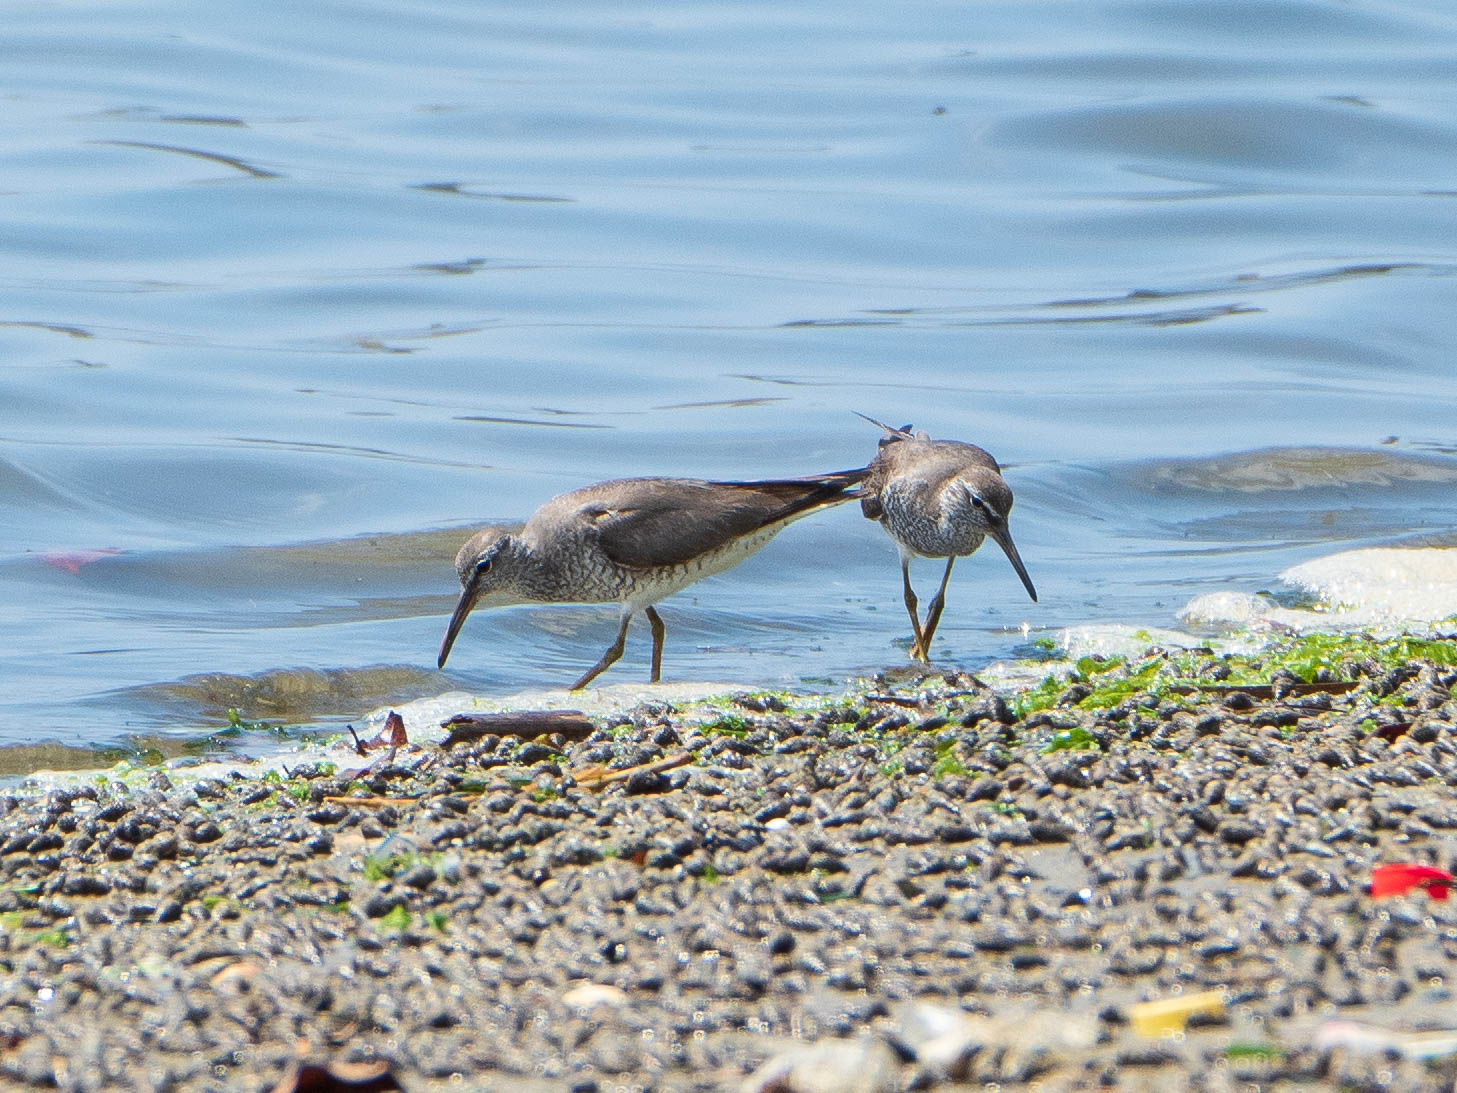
(1386, 587)
(1244, 611)
(1113, 639)
(1381, 589)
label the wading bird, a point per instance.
(937, 499)
(632, 541)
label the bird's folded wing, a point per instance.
(676, 523)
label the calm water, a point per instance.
(292, 296)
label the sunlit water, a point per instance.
(293, 297)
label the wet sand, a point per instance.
(915, 886)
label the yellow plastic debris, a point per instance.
(1166, 1016)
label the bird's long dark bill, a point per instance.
(1004, 540)
(467, 600)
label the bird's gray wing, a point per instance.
(667, 522)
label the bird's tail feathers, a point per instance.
(803, 495)
(892, 434)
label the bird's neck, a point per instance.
(529, 574)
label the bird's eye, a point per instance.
(483, 566)
(978, 502)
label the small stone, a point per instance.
(646, 781)
(85, 884)
(1239, 832)
(862, 1065)
(169, 911)
(531, 753)
(382, 903)
(585, 996)
(328, 814)
(992, 707)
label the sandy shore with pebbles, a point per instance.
(921, 884)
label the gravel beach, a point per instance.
(921, 884)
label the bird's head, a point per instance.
(483, 565)
(985, 501)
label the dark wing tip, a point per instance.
(892, 434)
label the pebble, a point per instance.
(862, 1065)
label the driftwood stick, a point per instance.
(527, 724)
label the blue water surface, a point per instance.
(291, 297)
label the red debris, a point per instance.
(72, 560)
(1399, 878)
(392, 736)
(394, 724)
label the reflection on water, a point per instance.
(269, 328)
(1309, 469)
(1246, 141)
(292, 696)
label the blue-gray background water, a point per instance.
(292, 296)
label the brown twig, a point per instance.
(369, 802)
(598, 777)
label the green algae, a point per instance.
(238, 723)
(1109, 680)
(730, 725)
(1104, 683)
(380, 869)
(1306, 657)
(1254, 1052)
(947, 764)
(1074, 739)
(1041, 697)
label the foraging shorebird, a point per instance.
(937, 499)
(633, 541)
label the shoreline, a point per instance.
(943, 884)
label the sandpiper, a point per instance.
(937, 499)
(632, 541)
